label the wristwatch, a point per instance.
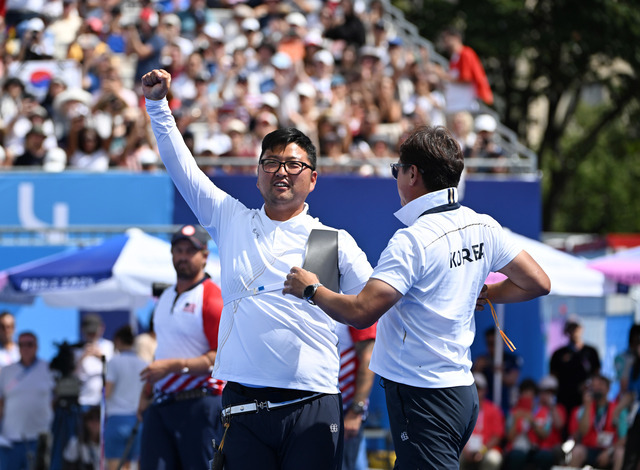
(358, 408)
(309, 292)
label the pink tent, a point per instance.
(622, 267)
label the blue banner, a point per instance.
(42, 200)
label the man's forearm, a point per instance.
(364, 376)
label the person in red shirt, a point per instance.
(595, 428)
(549, 419)
(467, 79)
(483, 448)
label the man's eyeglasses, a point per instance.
(293, 167)
(396, 166)
(26, 344)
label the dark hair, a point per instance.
(13, 81)
(602, 378)
(437, 154)
(31, 334)
(124, 334)
(528, 384)
(280, 138)
(82, 136)
(452, 31)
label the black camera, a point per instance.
(67, 389)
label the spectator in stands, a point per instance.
(461, 126)
(519, 425)
(56, 86)
(34, 45)
(171, 28)
(9, 351)
(114, 34)
(233, 25)
(387, 101)
(31, 115)
(305, 116)
(426, 100)
(240, 147)
(337, 160)
(486, 146)
(186, 82)
(11, 99)
(466, 80)
(483, 450)
(65, 28)
(349, 28)
(34, 149)
(598, 433)
(292, 42)
(573, 365)
(87, 150)
(144, 40)
(548, 424)
(91, 52)
(18, 11)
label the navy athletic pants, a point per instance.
(430, 426)
(176, 435)
(305, 435)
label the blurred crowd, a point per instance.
(338, 70)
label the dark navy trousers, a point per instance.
(176, 435)
(305, 435)
(430, 426)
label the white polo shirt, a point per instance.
(439, 263)
(187, 325)
(267, 339)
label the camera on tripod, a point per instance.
(67, 389)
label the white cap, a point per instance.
(306, 89)
(281, 60)
(268, 117)
(548, 382)
(34, 24)
(147, 157)
(55, 160)
(271, 99)
(250, 24)
(296, 19)
(214, 31)
(242, 10)
(323, 56)
(313, 38)
(485, 122)
(236, 125)
(172, 19)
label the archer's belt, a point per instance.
(278, 398)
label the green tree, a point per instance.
(558, 52)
